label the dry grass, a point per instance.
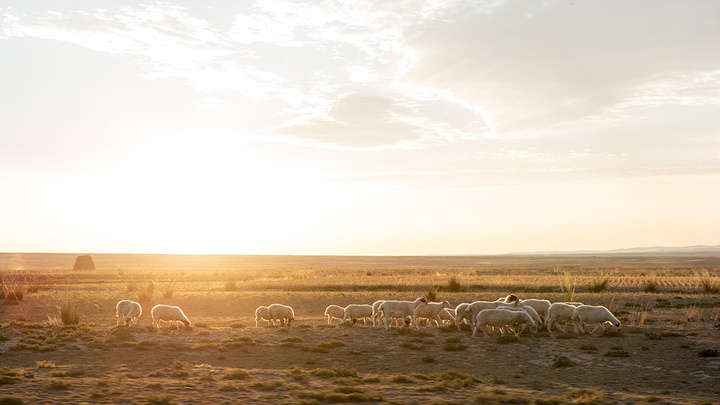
(307, 364)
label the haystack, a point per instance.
(84, 262)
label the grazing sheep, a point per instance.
(334, 311)
(448, 316)
(540, 306)
(262, 313)
(592, 314)
(376, 313)
(431, 311)
(400, 309)
(502, 317)
(474, 308)
(168, 313)
(461, 314)
(283, 313)
(530, 310)
(559, 312)
(127, 311)
(358, 311)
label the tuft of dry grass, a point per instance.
(599, 284)
(230, 285)
(70, 313)
(708, 283)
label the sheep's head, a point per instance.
(616, 324)
(185, 322)
(511, 298)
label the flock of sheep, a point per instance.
(507, 314)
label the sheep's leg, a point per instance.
(414, 322)
(596, 328)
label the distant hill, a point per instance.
(698, 249)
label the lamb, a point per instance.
(262, 313)
(432, 310)
(447, 315)
(400, 309)
(127, 311)
(334, 311)
(502, 317)
(168, 313)
(559, 311)
(592, 314)
(283, 313)
(358, 311)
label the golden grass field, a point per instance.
(666, 352)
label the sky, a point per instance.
(358, 127)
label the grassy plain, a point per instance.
(667, 351)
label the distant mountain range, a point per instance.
(651, 249)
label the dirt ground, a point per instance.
(666, 351)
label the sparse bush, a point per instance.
(708, 353)
(708, 283)
(237, 374)
(168, 290)
(45, 364)
(568, 287)
(650, 286)
(428, 359)
(431, 294)
(59, 384)
(296, 373)
(70, 313)
(454, 285)
(599, 284)
(330, 344)
(145, 296)
(11, 400)
(13, 295)
(230, 285)
(160, 399)
(562, 361)
(497, 380)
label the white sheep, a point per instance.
(334, 311)
(592, 314)
(461, 314)
(501, 318)
(127, 311)
(530, 310)
(376, 313)
(448, 316)
(471, 311)
(168, 313)
(559, 312)
(540, 306)
(431, 311)
(283, 313)
(400, 309)
(358, 311)
(262, 313)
